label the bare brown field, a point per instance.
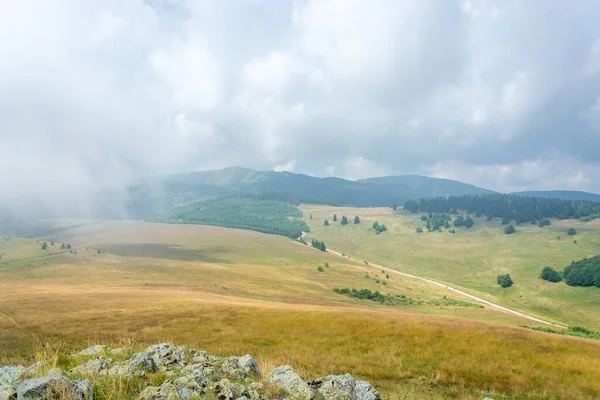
(237, 292)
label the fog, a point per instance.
(95, 95)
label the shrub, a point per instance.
(320, 269)
(550, 274)
(505, 280)
(571, 231)
(423, 218)
(508, 229)
(419, 230)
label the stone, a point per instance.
(54, 386)
(94, 367)
(83, 389)
(9, 375)
(287, 378)
(363, 390)
(142, 362)
(94, 350)
(249, 365)
(165, 355)
(344, 387)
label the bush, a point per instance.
(356, 220)
(320, 269)
(550, 274)
(508, 229)
(423, 218)
(571, 231)
(505, 280)
(419, 230)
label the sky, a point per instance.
(500, 94)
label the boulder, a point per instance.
(165, 355)
(344, 387)
(249, 365)
(142, 362)
(9, 380)
(94, 350)
(54, 386)
(94, 367)
(287, 378)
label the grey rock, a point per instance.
(287, 378)
(249, 365)
(344, 387)
(94, 350)
(9, 379)
(9, 375)
(83, 389)
(94, 367)
(165, 355)
(365, 391)
(35, 368)
(148, 393)
(55, 386)
(142, 362)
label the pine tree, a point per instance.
(356, 220)
(326, 223)
(334, 218)
(344, 220)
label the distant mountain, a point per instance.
(150, 195)
(417, 186)
(561, 194)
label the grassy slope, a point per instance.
(472, 259)
(233, 292)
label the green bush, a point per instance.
(320, 269)
(505, 280)
(550, 274)
(508, 229)
(571, 232)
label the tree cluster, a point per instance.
(584, 272)
(504, 280)
(379, 228)
(266, 216)
(318, 245)
(507, 207)
(365, 294)
(550, 274)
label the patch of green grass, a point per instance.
(472, 258)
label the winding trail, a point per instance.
(470, 296)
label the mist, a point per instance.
(97, 96)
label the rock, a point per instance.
(365, 391)
(148, 393)
(344, 387)
(9, 380)
(142, 362)
(54, 387)
(94, 350)
(167, 356)
(287, 378)
(488, 398)
(7, 392)
(166, 391)
(83, 389)
(94, 367)
(249, 365)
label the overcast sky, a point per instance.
(501, 94)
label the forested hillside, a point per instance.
(508, 207)
(266, 216)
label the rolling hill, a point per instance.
(180, 189)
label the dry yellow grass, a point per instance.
(166, 283)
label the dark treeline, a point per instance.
(318, 245)
(508, 207)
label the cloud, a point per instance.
(501, 94)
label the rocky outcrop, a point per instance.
(166, 372)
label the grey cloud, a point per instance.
(502, 94)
